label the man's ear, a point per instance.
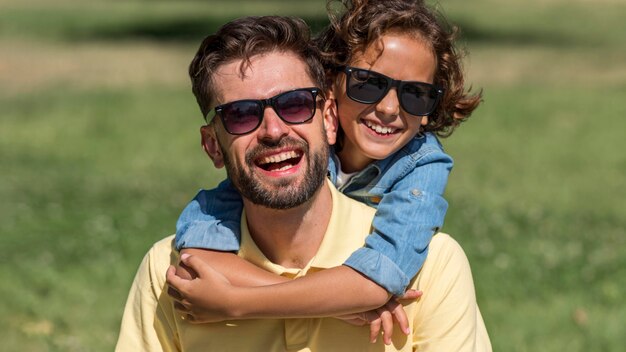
(330, 119)
(211, 145)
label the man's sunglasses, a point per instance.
(244, 116)
(369, 87)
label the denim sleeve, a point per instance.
(211, 220)
(408, 215)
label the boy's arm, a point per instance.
(204, 293)
(209, 227)
(331, 292)
(237, 271)
(408, 215)
(211, 220)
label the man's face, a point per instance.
(278, 165)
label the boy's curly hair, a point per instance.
(365, 21)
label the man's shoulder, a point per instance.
(443, 239)
(163, 245)
(162, 254)
(444, 250)
(444, 242)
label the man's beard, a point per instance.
(283, 194)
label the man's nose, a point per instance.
(389, 105)
(272, 128)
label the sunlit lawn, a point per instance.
(99, 151)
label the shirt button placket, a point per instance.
(297, 333)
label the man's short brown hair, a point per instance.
(243, 38)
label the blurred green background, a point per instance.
(99, 152)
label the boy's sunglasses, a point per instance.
(244, 116)
(369, 87)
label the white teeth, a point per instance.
(380, 129)
(279, 157)
(284, 168)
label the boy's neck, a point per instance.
(352, 160)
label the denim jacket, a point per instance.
(406, 188)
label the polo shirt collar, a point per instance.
(338, 243)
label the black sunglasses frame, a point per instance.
(263, 103)
(398, 84)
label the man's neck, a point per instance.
(291, 237)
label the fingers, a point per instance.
(187, 270)
(398, 313)
(410, 294)
(190, 266)
(188, 317)
(383, 319)
(173, 280)
(176, 296)
(175, 286)
(375, 324)
(387, 324)
(181, 308)
(380, 319)
(186, 312)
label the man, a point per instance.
(275, 147)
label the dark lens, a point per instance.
(241, 117)
(295, 107)
(365, 86)
(418, 98)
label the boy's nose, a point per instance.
(389, 105)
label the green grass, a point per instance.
(99, 152)
(536, 206)
(92, 181)
(143, 20)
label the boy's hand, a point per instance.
(189, 287)
(383, 317)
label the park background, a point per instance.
(99, 152)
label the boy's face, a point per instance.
(375, 131)
(278, 165)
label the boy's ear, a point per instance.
(330, 119)
(211, 145)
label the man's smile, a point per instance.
(280, 161)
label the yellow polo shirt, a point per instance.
(445, 318)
